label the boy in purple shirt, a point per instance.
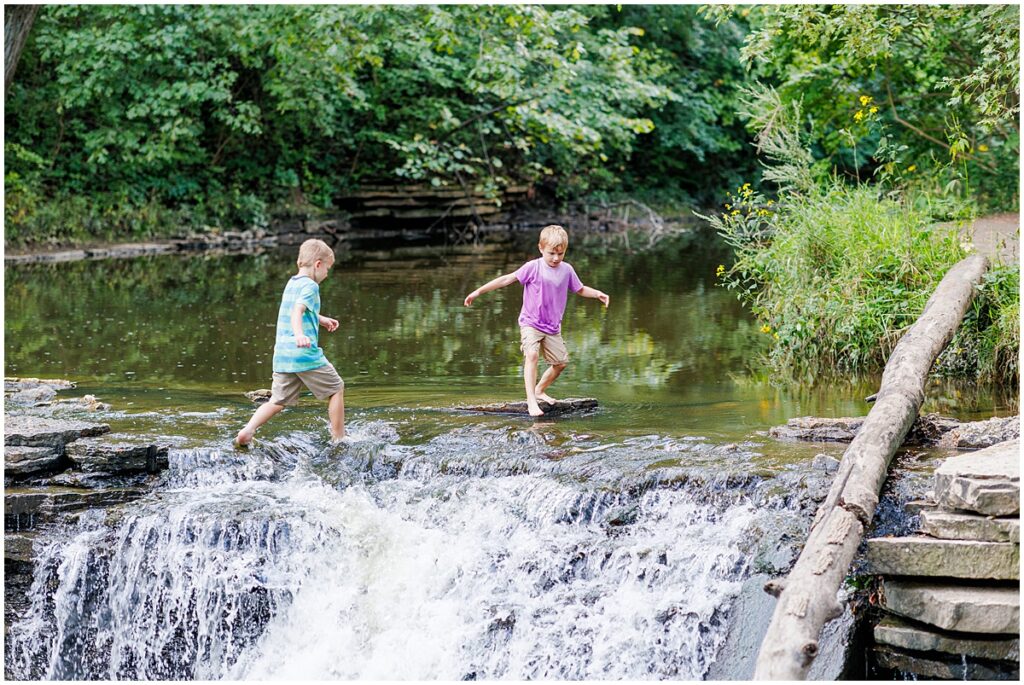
(546, 284)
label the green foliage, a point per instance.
(942, 79)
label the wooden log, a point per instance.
(807, 598)
(569, 405)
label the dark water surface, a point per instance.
(178, 339)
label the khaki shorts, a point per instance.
(322, 381)
(551, 346)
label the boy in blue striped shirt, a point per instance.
(298, 361)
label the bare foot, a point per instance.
(535, 410)
(243, 438)
(544, 397)
(336, 440)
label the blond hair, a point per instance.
(554, 236)
(312, 250)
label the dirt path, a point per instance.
(998, 234)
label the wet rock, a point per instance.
(17, 384)
(18, 547)
(826, 463)
(32, 397)
(951, 525)
(922, 556)
(27, 508)
(986, 482)
(85, 402)
(37, 431)
(942, 669)
(21, 461)
(897, 633)
(103, 455)
(968, 609)
(259, 396)
(981, 434)
(567, 406)
(623, 516)
(926, 431)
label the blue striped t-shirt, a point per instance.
(288, 357)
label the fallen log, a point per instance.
(807, 597)
(569, 405)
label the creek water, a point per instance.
(439, 544)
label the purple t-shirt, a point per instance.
(545, 290)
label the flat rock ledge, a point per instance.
(956, 607)
(95, 455)
(930, 430)
(960, 525)
(569, 405)
(898, 633)
(38, 431)
(925, 556)
(986, 482)
(932, 667)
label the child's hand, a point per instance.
(303, 341)
(469, 299)
(603, 298)
(330, 324)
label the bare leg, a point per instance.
(336, 413)
(546, 380)
(530, 379)
(260, 417)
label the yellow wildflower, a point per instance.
(983, 148)
(864, 100)
(912, 168)
(873, 110)
(720, 270)
(775, 335)
(728, 206)
(734, 212)
(859, 115)
(771, 202)
(766, 328)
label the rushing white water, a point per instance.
(289, 563)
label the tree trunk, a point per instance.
(18, 21)
(807, 597)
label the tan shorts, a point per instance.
(322, 381)
(551, 346)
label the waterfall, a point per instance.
(388, 561)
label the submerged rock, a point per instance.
(929, 430)
(566, 406)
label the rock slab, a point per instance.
(21, 461)
(954, 525)
(896, 633)
(963, 608)
(986, 481)
(939, 669)
(567, 406)
(38, 431)
(101, 456)
(923, 556)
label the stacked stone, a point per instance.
(952, 593)
(55, 467)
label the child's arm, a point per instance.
(330, 324)
(593, 293)
(499, 282)
(301, 339)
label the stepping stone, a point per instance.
(38, 431)
(898, 633)
(923, 556)
(570, 405)
(986, 481)
(963, 608)
(21, 461)
(103, 455)
(951, 525)
(939, 669)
